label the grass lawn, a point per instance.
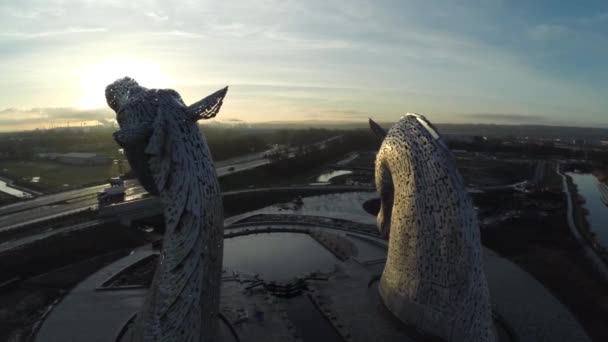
(55, 177)
(6, 198)
(365, 159)
(491, 172)
(264, 176)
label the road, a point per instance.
(46, 207)
(539, 173)
(49, 206)
(20, 235)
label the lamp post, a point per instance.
(120, 162)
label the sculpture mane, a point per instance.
(170, 157)
(433, 278)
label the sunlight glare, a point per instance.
(95, 78)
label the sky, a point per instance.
(469, 61)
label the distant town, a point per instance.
(42, 159)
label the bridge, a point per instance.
(234, 201)
(126, 213)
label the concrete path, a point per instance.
(94, 316)
(531, 310)
(527, 307)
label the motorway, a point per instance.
(47, 207)
(134, 209)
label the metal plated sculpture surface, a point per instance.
(433, 278)
(170, 157)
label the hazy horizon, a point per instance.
(303, 124)
(478, 61)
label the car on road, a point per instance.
(115, 193)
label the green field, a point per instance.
(6, 198)
(55, 177)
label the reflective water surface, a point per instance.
(327, 176)
(598, 211)
(277, 256)
(11, 191)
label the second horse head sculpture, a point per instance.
(433, 278)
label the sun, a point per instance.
(95, 77)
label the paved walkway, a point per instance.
(527, 307)
(94, 316)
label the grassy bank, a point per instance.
(482, 172)
(301, 169)
(7, 199)
(55, 177)
(47, 269)
(267, 176)
(539, 240)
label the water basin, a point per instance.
(327, 176)
(277, 257)
(587, 185)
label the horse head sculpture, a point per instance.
(170, 157)
(433, 278)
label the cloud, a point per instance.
(61, 32)
(177, 33)
(322, 57)
(549, 32)
(335, 114)
(593, 19)
(12, 116)
(24, 10)
(507, 117)
(29, 15)
(158, 18)
(297, 42)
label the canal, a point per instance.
(327, 176)
(12, 191)
(277, 256)
(588, 188)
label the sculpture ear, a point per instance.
(208, 107)
(378, 131)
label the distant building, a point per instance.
(479, 140)
(579, 142)
(77, 158)
(49, 156)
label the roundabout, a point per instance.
(269, 296)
